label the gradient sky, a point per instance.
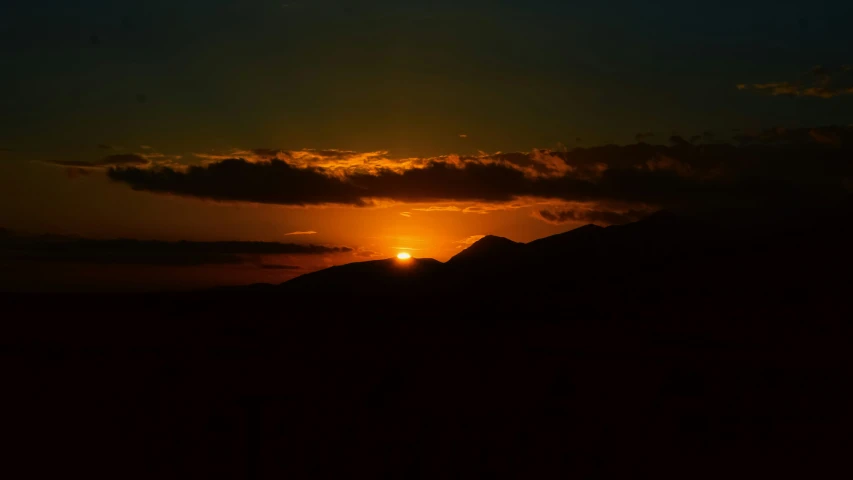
(93, 85)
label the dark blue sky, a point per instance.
(408, 77)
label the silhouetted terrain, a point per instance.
(679, 346)
(752, 249)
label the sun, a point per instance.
(404, 256)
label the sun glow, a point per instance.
(404, 256)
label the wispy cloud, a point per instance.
(71, 249)
(308, 232)
(600, 214)
(365, 253)
(127, 159)
(471, 240)
(439, 208)
(820, 82)
(467, 242)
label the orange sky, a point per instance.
(91, 206)
(375, 205)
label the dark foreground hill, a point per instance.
(674, 347)
(374, 275)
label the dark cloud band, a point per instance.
(128, 159)
(54, 248)
(779, 166)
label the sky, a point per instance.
(373, 127)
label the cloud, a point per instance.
(366, 253)
(484, 209)
(766, 167)
(678, 141)
(662, 162)
(642, 136)
(480, 208)
(470, 240)
(558, 216)
(104, 146)
(820, 82)
(406, 214)
(840, 137)
(439, 208)
(463, 135)
(272, 182)
(476, 209)
(70, 249)
(332, 160)
(309, 232)
(74, 172)
(280, 267)
(124, 160)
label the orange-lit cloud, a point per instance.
(470, 240)
(334, 162)
(439, 208)
(309, 232)
(683, 175)
(364, 253)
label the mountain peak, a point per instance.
(590, 227)
(488, 246)
(494, 240)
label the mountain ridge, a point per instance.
(656, 248)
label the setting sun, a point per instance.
(404, 256)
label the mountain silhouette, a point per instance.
(653, 249)
(489, 248)
(567, 241)
(679, 345)
(371, 275)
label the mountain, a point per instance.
(489, 248)
(657, 250)
(678, 345)
(374, 275)
(579, 256)
(567, 241)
